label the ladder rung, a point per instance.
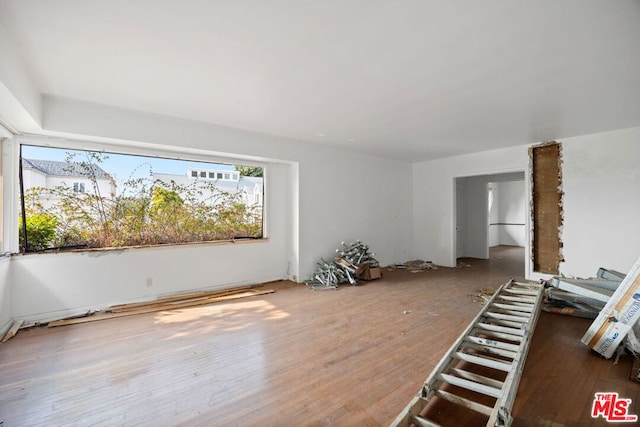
(506, 323)
(477, 378)
(475, 406)
(508, 317)
(473, 386)
(489, 357)
(517, 303)
(510, 312)
(528, 286)
(493, 343)
(513, 307)
(493, 334)
(521, 292)
(491, 350)
(484, 361)
(516, 333)
(423, 422)
(523, 300)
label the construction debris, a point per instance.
(635, 370)
(13, 330)
(562, 302)
(598, 289)
(564, 298)
(603, 273)
(418, 264)
(585, 312)
(581, 297)
(164, 303)
(582, 287)
(611, 298)
(616, 321)
(414, 266)
(483, 295)
(353, 262)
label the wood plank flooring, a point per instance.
(348, 357)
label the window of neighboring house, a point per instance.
(78, 187)
(129, 200)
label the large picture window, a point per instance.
(84, 199)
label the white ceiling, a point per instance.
(407, 79)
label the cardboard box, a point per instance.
(355, 269)
(617, 317)
(372, 273)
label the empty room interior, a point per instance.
(273, 213)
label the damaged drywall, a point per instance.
(546, 206)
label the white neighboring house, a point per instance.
(50, 174)
(223, 180)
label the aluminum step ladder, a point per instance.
(482, 369)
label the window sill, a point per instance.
(161, 246)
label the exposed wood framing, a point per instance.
(546, 207)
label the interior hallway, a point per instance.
(353, 356)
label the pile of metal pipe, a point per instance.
(345, 268)
(357, 253)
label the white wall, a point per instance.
(349, 196)
(508, 208)
(601, 183)
(6, 307)
(494, 214)
(317, 196)
(20, 101)
(105, 187)
(59, 285)
(32, 178)
(475, 226)
(434, 197)
(508, 214)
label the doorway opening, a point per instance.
(491, 217)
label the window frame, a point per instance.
(12, 184)
(79, 187)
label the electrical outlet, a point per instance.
(149, 281)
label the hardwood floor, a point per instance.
(350, 357)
